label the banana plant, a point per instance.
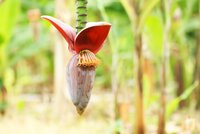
(8, 8)
(83, 43)
(138, 11)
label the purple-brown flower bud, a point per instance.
(81, 74)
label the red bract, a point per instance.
(90, 38)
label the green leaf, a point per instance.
(9, 11)
(146, 10)
(154, 35)
(173, 105)
(191, 24)
(1, 40)
(188, 91)
(20, 105)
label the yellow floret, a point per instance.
(87, 59)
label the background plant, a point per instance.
(27, 65)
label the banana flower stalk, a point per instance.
(81, 68)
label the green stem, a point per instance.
(81, 11)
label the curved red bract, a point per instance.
(67, 31)
(90, 38)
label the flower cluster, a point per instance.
(81, 67)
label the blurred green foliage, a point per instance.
(26, 63)
(18, 45)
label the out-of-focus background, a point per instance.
(150, 68)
